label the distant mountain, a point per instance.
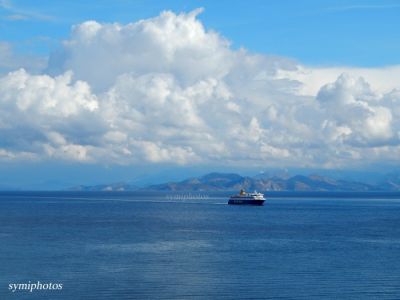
(209, 182)
(391, 182)
(235, 182)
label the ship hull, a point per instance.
(245, 202)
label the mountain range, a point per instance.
(235, 182)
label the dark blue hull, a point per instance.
(245, 202)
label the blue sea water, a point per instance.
(149, 246)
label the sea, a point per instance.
(131, 245)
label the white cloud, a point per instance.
(383, 79)
(357, 112)
(167, 90)
(42, 94)
(169, 43)
(37, 111)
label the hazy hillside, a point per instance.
(235, 182)
(227, 182)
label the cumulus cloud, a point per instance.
(166, 89)
(170, 43)
(38, 111)
(356, 112)
(384, 79)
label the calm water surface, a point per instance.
(132, 246)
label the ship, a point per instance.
(244, 198)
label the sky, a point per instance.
(147, 91)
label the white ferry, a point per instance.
(244, 198)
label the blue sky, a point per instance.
(357, 33)
(146, 91)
